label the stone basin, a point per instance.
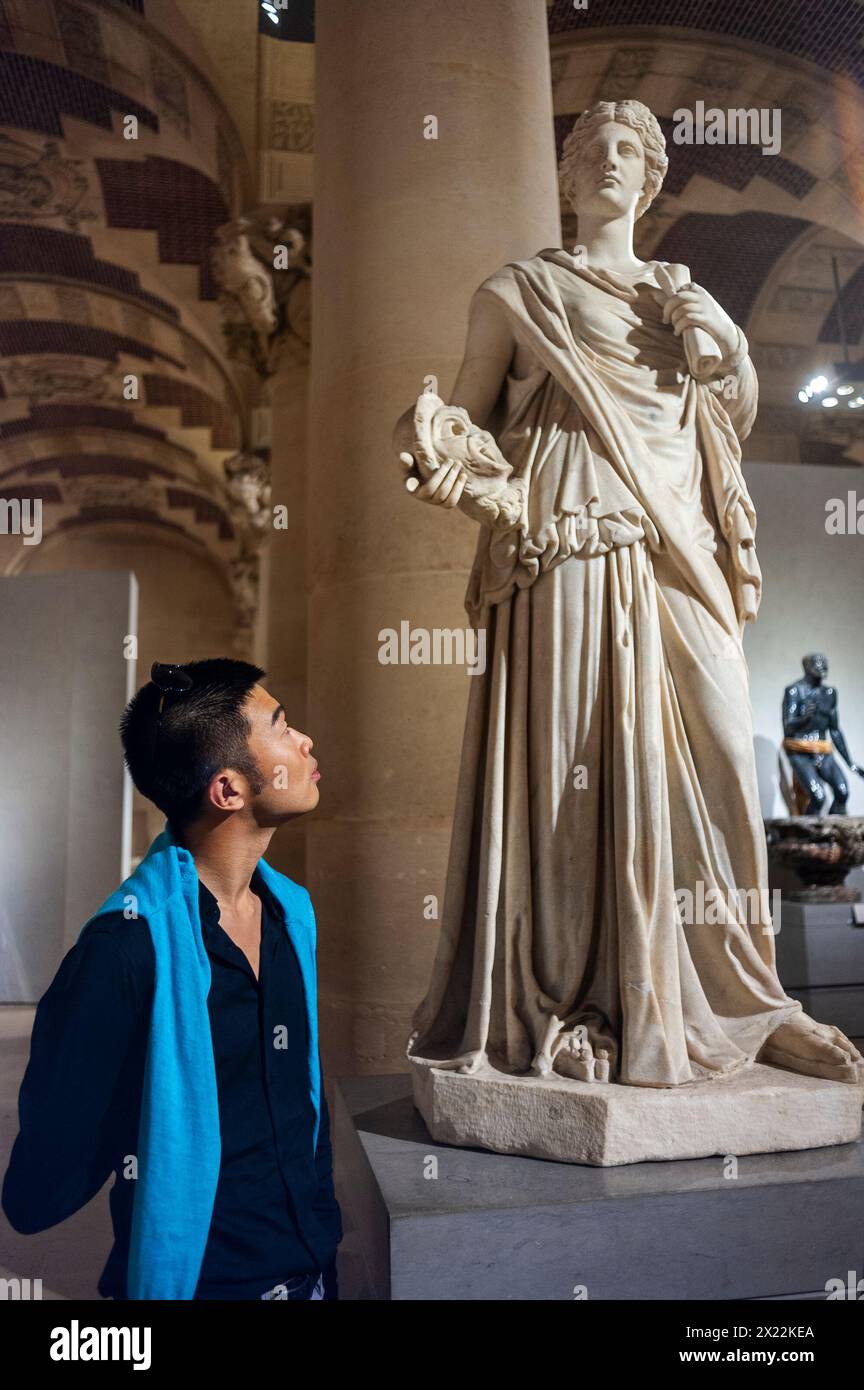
(821, 851)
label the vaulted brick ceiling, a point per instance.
(106, 274)
(827, 32)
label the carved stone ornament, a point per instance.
(55, 378)
(38, 183)
(262, 263)
(244, 278)
(248, 493)
(245, 577)
(114, 490)
(247, 485)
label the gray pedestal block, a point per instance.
(820, 960)
(428, 1222)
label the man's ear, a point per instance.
(226, 792)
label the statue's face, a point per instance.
(611, 173)
(816, 665)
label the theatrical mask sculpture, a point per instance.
(594, 432)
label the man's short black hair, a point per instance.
(173, 756)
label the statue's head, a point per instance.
(815, 665)
(614, 155)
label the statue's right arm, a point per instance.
(489, 352)
(789, 708)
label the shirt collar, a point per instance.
(208, 906)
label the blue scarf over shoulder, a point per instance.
(179, 1146)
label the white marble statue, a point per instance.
(594, 431)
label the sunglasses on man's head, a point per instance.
(170, 680)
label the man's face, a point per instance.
(611, 171)
(284, 759)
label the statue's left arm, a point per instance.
(737, 387)
(733, 378)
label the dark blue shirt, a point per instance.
(275, 1213)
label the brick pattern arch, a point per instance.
(830, 33)
(180, 204)
(118, 402)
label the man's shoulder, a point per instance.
(129, 937)
(291, 901)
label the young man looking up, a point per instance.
(178, 1042)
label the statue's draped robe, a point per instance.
(608, 761)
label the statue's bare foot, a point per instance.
(465, 1063)
(814, 1049)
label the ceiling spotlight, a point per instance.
(844, 386)
(846, 379)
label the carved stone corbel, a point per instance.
(248, 495)
(262, 262)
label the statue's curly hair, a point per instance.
(639, 118)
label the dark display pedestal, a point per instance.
(820, 960)
(497, 1227)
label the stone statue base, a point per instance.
(758, 1110)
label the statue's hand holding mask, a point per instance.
(451, 462)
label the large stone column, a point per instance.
(287, 573)
(406, 227)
